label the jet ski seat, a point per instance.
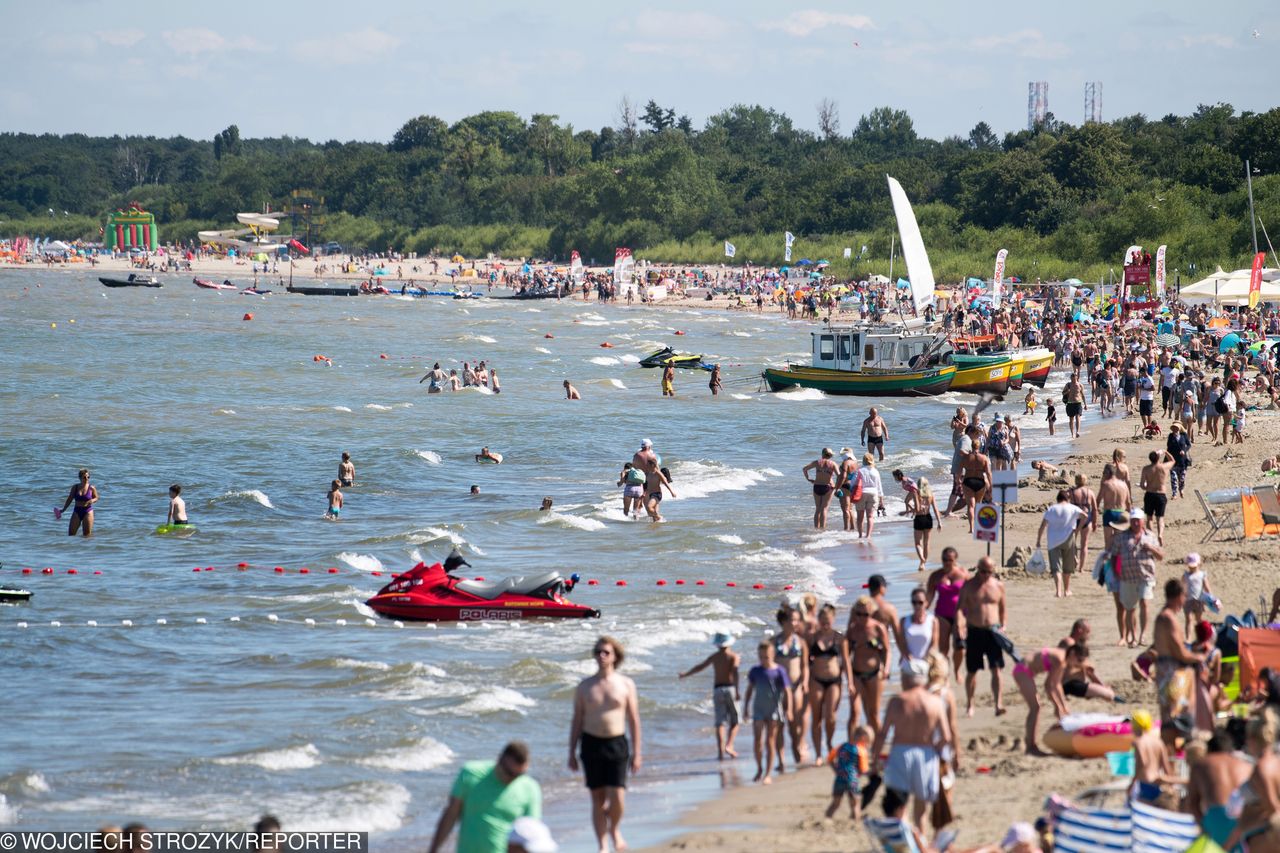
(527, 585)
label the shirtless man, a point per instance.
(604, 707)
(918, 720)
(1122, 470)
(346, 471)
(983, 604)
(886, 614)
(1175, 667)
(571, 393)
(1212, 781)
(669, 380)
(654, 482)
(875, 432)
(486, 454)
(975, 475)
(823, 480)
(1154, 482)
(1073, 397)
(1114, 501)
(724, 692)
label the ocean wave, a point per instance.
(484, 339)
(742, 396)
(700, 479)
(729, 539)
(542, 350)
(359, 807)
(591, 316)
(224, 411)
(738, 333)
(428, 456)
(425, 754)
(23, 784)
(290, 758)
(629, 358)
(376, 407)
(604, 360)
(577, 522)
(646, 639)
(254, 495)
(418, 689)
(361, 562)
(805, 572)
(800, 394)
(830, 538)
(343, 409)
(494, 700)
(8, 813)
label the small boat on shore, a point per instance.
(133, 280)
(212, 285)
(324, 291)
(1037, 362)
(667, 355)
(977, 374)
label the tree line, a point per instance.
(1066, 200)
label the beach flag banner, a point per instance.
(729, 249)
(848, 252)
(623, 265)
(575, 264)
(1255, 279)
(788, 240)
(997, 280)
(1160, 272)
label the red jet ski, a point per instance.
(212, 285)
(431, 594)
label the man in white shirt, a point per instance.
(1061, 521)
(1146, 397)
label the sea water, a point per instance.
(205, 698)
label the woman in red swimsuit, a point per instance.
(1051, 663)
(945, 585)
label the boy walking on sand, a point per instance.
(849, 761)
(724, 695)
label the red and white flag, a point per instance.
(1160, 272)
(1255, 279)
(997, 281)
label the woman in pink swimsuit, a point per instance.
(944, 585)
(1051, 663)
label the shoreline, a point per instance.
(997, 785)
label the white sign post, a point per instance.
(1006, 483)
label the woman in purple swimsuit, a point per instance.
(84, 496)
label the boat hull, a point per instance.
(981, 374)
(1036, 367)
(909, 383)
(120, 282)
(411, 608)
(1015, 371)
(324, 291)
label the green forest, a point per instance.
(1065, 200)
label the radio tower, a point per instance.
(1093, 103)
(1037, 103)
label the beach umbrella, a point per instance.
(1168, 339)
(1228, 342)
(824, 263)
(804, 262)
(457, 259)
(1073, 281)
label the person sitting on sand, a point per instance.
(724, 692)
(1049, 473)
(571, 393)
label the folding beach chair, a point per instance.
(1269, 503)
(1093, 831)
(893, 834)
(1251, 515)
(1160, 831)
(1216, 522)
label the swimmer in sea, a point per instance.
(455, 384)
(493, 381)
(475, 490)
(177, 515)
(486, 454)
(335, 501)
(546, 505)
(85, 496)
(571, 393)
(347, 471)
(437, 378)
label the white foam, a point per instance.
(577, 522)
(741, 396)
(591, 316)
(362, 807)
(738, 333)
(484, 339)
(800, 394)
(730, 539)
(361, 562)
(33, 783)
(8, 813)
(425, 754)
(224, 411)
(376, 407)
(436, 534)
(604, 360)
(804, 571)
(543, 350)
(290, 758)
(493, 700)
(341, 409)
(700, 479)
(832, 538)
(420, 690)
(252, 494)
(533, 310)
(617, 383)
(428, 456)
(351, 663)
(629, 358)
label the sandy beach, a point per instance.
(996, 784)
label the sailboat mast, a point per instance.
(893, 236)
(1248, 181)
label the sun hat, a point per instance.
(1019, 833)
(722, 640)
(533, 835)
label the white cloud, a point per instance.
(194, 41)
(366, 45)
(1029, 44)
(121, 38)
(1208, 40)
(809, 21)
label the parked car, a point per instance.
(332, 248)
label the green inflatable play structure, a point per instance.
(131, 228)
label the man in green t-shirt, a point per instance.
(488, 796)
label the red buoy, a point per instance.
(730, 583)
(242, 565)
(384, 355)
(279, 570)
(376, 574)
(196, 569)
(700, 583)
(790, 586)
(548, 335)
(333, 571)
(621, 583)
(593, 582)
(757, 586)
(304, 571)
(248, 316)
(679, 583)
(26, 571)
(46, 571)
(662, 582)
(72, 572)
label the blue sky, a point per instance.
(357, 70)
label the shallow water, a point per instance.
(357, 726)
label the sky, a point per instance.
(358, 70)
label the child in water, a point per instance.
(768, 701)
(849, 762)
(1052, 416)
(335, 501)
(177, 507)
(1030, 402)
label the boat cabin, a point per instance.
(857, 348)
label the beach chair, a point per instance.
(1251, 514)
(893, 834)
(1161, 831)
(1081, 830)
(1269, 503)
(1216, 522)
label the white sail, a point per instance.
(918, 270)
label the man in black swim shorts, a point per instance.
(605, 706)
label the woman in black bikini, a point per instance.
(85, 496)
(823, 479)
(826, 666)
(867, 655)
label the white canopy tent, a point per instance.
(1231, 288)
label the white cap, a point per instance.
(916, 670)
(533, 835)
(1137, 513)
(644, 442)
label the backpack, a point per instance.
(1220, 404)
(635, 477)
